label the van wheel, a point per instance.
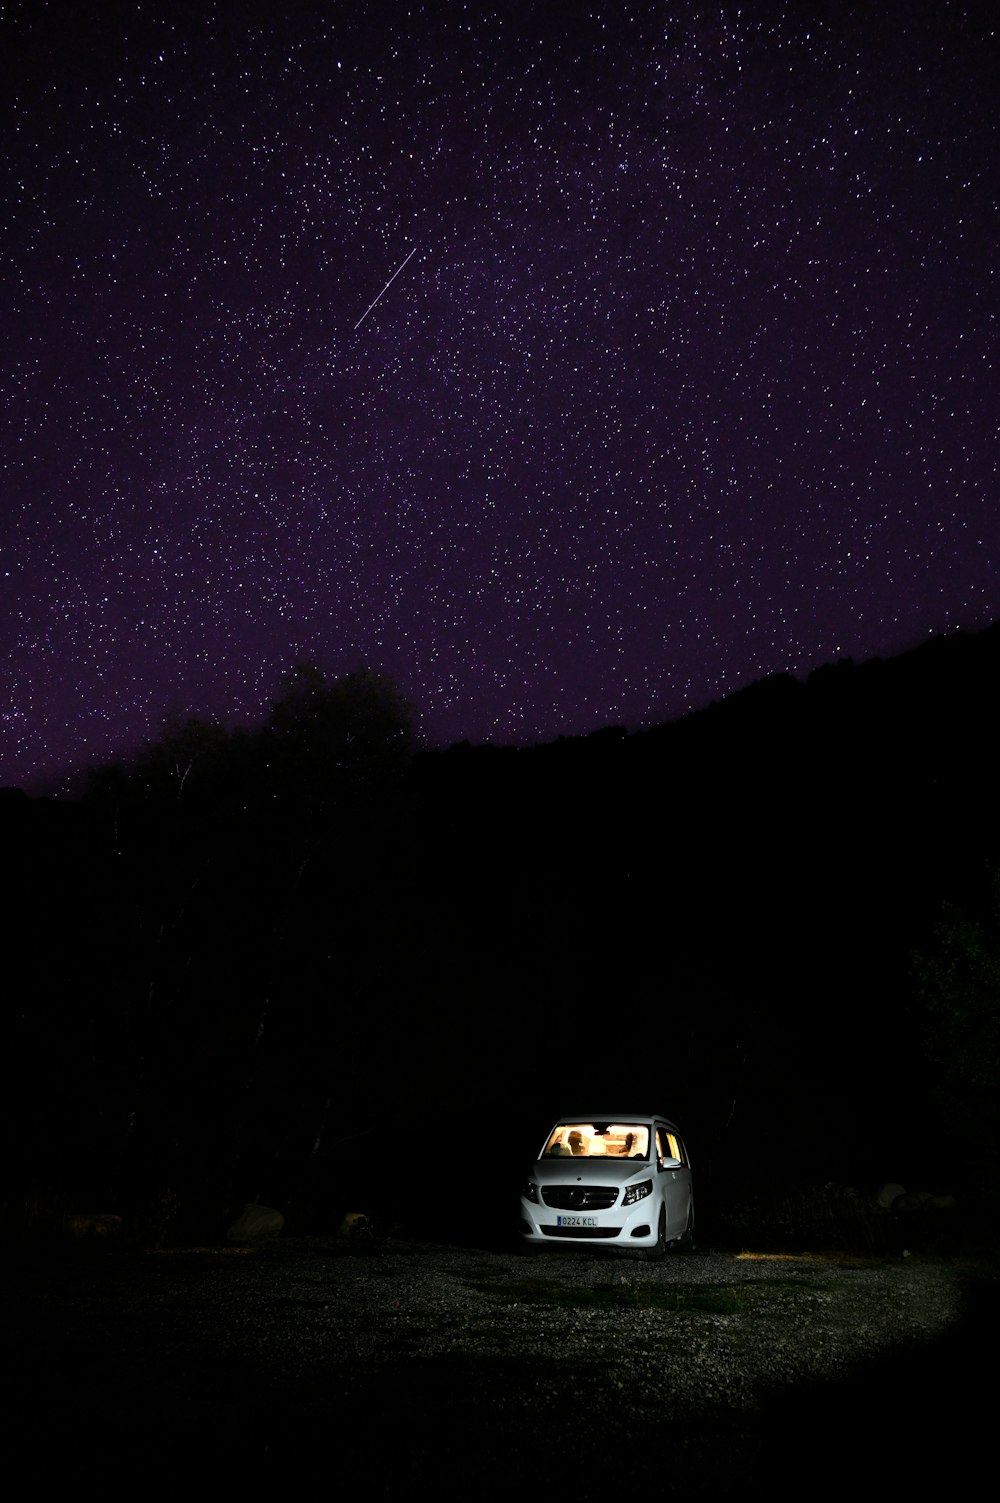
(659, 1247)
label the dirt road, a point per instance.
(395, 1366)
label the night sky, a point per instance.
(688, 379)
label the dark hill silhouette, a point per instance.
(227, 978)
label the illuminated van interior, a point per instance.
(616, 1140)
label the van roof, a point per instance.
(615, 1117)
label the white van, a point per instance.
(618, 1179)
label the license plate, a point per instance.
(576, 1221)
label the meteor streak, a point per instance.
(385, 289)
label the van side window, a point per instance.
(669, 1145)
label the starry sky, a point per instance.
(689, 376)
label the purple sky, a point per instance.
(689, 380)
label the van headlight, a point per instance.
(638, 1192)
(530, 1191)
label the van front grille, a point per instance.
(579, 1197)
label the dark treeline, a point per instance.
(266, 964)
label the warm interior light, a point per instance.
(618, 1140)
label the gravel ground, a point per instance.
(392, 1365)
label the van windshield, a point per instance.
(613, 1140)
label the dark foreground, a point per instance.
(389, 1370)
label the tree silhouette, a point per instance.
(238, 870)
(958, 984)
(357, 725)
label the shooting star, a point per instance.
(385, 289)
